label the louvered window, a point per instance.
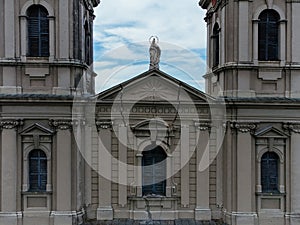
(154, 171)
(216, 45)
(268, 35)
(37, 170)
(269, 172)
(38, 31)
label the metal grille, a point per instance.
(268, 31)
(37, 170)
(269, 172)
(38, 31)
(154, 171)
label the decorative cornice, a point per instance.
(292, 127)
(244, 126)
(203, 126)
(61, 124)
(10, 123)
(103, 124)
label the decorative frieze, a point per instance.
(244, 126)
(167, 109)
(10, 123)
(292, 127)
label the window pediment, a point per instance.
(270, 132)
(36, 129)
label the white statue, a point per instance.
(154, 51)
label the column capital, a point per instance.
(203, 125)
(292, 127)
(62, 124)
(244, 126)
(10, 123)
(103, 124)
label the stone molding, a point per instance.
(244, 126)
(10, 123)
(161, 109)
(292, 127)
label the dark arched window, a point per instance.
(38, 31)
(154, 171)
(216, 45)
(269, 172)
(268, 35)
(37, 170)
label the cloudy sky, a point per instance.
(122, 29)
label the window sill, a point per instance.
(154, 202)
(36, 192)
(269, 63)
(37, 58)
(270, 194)
(153, 198)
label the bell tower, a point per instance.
(46, 47)
(252, 49)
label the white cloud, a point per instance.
(122, 29)
(174, 21)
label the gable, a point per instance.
(153, 85)
(37, 129)
(270, 132)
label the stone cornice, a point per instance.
(244, 126)
(10, 123)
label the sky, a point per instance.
(122, 30)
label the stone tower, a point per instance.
(46, 46)
(46, 58)
(253, 55)
(252, 48)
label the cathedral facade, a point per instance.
(151, 148)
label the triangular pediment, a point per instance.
(37, 129)
(270, 131)
(154, 85)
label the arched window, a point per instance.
(37, 170)
(154, 171)
(268, 35)
(269, 172)
(88, 46)
(216, 45)
(38, 31)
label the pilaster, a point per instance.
(63, 32)
(294, 129)
(184, 165)
(63, 213)
(202, 211)
(122, 165)
(245, 173)
(9, 165)
(9, 29)
(104, 210)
